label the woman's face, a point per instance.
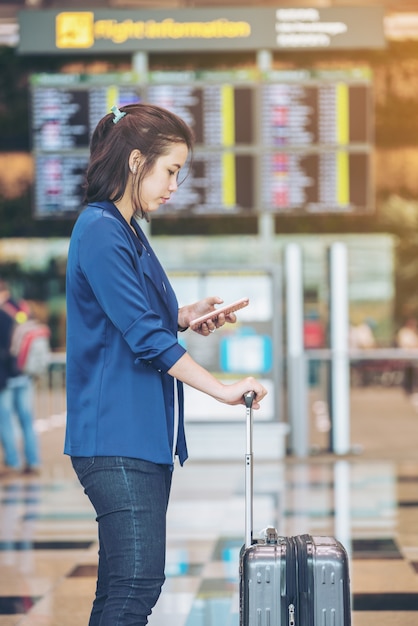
(161, 182)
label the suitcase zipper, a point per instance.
(292, 615)
(291, 580)
(305, 581)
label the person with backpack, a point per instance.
(16, 393)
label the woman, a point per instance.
(125, 367)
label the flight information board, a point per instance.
(220, 115)
(64, 118)
(337, 180)
(59, 184)
(321, 114)
(284, 142)
(217, 183)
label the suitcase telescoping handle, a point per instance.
(249, 398)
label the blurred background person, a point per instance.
(407, 339)
(10, 459)
(16, 393)
(361, 337)
(313, 338)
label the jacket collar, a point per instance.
(139, 241)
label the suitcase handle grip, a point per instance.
(249, 398)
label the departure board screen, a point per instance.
(320, 114)
(64, 118)
(216, 183)
(220, 115)
(316, 182)
(286, 142)
(59, 183)
(60, 119)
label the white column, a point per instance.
(339, 370)
(296, 370)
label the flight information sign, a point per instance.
(64, 116)
(216, 183)
(318, 114)
(281, 142)
(59, 184)
(337, 181)
(219, 114)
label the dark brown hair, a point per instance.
(145, 127)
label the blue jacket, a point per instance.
(121, 341)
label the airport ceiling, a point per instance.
(12, 6)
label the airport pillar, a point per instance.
(296, 368)
(339, 379)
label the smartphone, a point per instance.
(225, 308)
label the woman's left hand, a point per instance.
(202, 307)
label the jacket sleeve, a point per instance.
(109, 262)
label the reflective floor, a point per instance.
(369, 500)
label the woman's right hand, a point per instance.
(234, 393)
(188, 371)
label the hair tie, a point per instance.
(117, 113)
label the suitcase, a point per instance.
(289, 581)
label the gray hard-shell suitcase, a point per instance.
(289, 581)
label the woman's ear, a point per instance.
(134, 160)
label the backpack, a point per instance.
(30, 346)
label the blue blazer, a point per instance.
(121, 340)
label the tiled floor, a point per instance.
(369, 500)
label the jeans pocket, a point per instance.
(82, 464)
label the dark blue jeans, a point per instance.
(130, 497)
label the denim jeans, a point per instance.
(130, 497)
(17, 398)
